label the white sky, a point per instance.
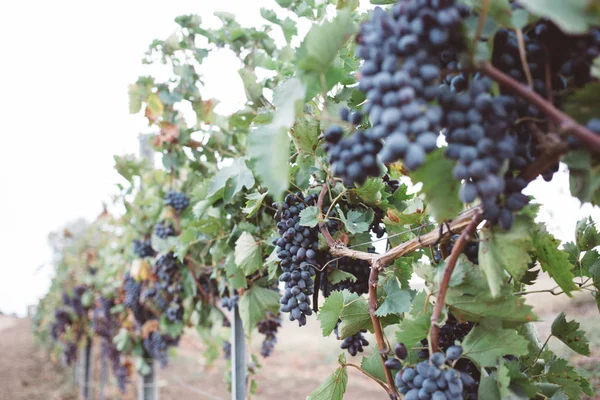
(64, 69)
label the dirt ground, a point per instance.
(301, 361)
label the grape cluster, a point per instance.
(354, 344)
(227, 350)
(360, 269)
(471, 250)
(377, 226)
(164, 229)
(69, 353)
(297, 249)
(353, 158)
(268, 327)
(75, 301)
(132, 290)
(170, 290)
(143, 248)
(178, 200)
(229, 301)
(106, 326)
(435, 379)
(398, 96)
(450, 333)
(62, 320)
(478, 135)
(120, 369)
(157, 346)
(506, 57)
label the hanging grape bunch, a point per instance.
(163, 229)
(353, 158)
(269, 327)
(178, 200)
(297, 249)
(434, 378)
(143, 248)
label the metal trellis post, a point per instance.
(86, 371)
(238, 357)
(103, 375)
(147, 384)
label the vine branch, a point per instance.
(562, 120)
(439, 302)
(203, 293)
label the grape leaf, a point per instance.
(305, 133)
(254, 304)
(373, 365)
(354, 315)
(584, 176)
(570, 334)
(337, 276)
(231, 180)
(571, 16)
(329, 314)
(268, 144)
(310, 216)
(235, 276)
(334, 386)
(439, 186)
(372, 192)
(584, 102)
(586, 234)
(323, 42)
(559, 372)
(415, 325)
(488, 388)
(253, 202)
(553, 261)
(488, 342)
(248, 254)
(357, 222)
(505, 250)
(397, 301)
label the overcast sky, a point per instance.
(63, 100)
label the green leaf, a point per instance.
(310, 216)
(329, 314)
(253, 202)
(583, 103)
(373, 365)
(558, 371)
(122, 340)
(595, 71)
(439, 186)
(488, 342)
(254, 304)
(505, 250)
(586, 234)
(253, 88)
(357, 221)
(415, 326)
(584, 176)
(323, 42)
(305, 135)
(235, 276)
(337, 276)
(334, 386)
(397, 301)
(553, 261)
(570, 334)
(248, 254)
(488, 388)
(371, 192)
(571, 16)
(268, 145)
(135, 100)
(231, 180)
(354, 315)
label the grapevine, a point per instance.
(386, 147)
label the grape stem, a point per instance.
(379, 381)
(458, 248)
(189, 262)
(564, 122)
(373, 278)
